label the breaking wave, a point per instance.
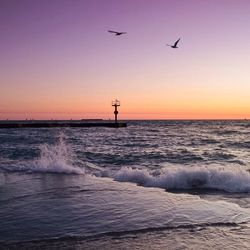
(55, 158)
(227, 179)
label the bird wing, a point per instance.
(175, 44)
(111, 31)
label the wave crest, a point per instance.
(53, 158)
(56, 159)
(212, 177)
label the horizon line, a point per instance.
(135, 119)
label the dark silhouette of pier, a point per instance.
(84, 123)
(54, 124)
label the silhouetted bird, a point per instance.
(175, 44)
(117, 33)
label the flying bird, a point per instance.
(175, 44)
(117, 33)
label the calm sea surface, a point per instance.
(152, 185)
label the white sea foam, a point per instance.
(56, 158)
(185, 177)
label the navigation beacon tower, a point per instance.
(116, 104)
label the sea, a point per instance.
(171, 184)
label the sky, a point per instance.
(59, 62)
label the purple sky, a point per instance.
(57, 58)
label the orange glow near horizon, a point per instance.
(187, 101)
(191, 104)
(124, 113)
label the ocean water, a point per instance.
(152, 185)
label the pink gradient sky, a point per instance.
(58, 60)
